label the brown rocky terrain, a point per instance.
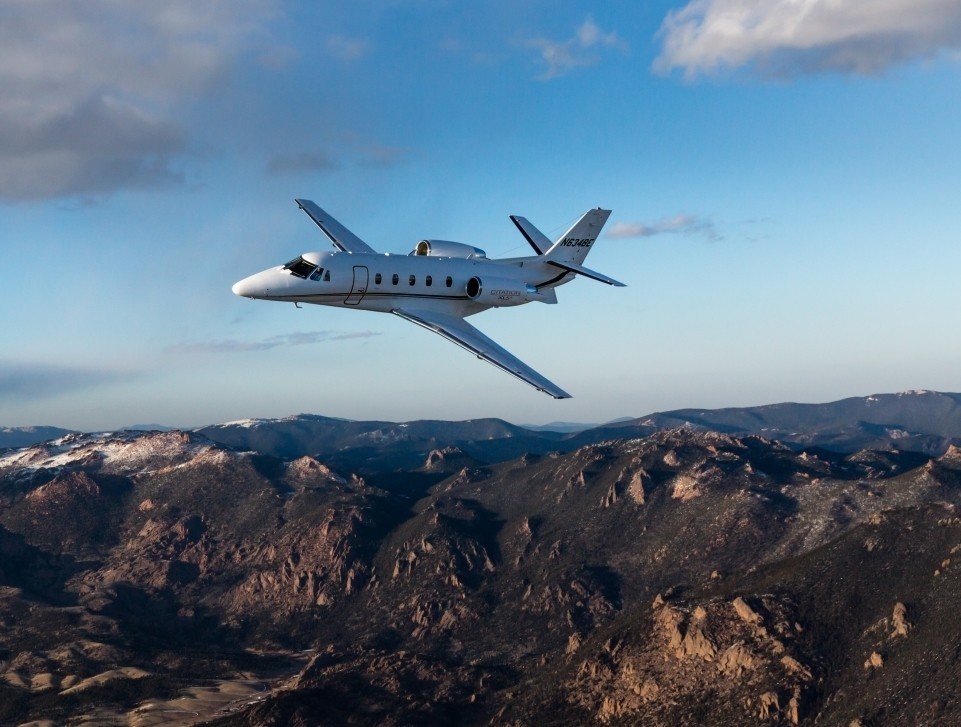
(680, 578)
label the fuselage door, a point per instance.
(359, 287)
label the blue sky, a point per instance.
(784, 179)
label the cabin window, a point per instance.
(377, 279)
(395, 278)
(450, 281)
(316, 274)
(300, 267)
(411, 280)
(428, 280)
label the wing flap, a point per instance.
(457, 330)
(342, 238)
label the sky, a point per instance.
(784, 177)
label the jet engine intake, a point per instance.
(501, 292)
(446, 248)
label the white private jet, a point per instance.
(438, 284)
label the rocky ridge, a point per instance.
(680, 578)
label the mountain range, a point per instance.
(311, 570)
(917, 421)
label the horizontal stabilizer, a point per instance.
(343, 239)
(537, 239)
(586, 272)
(457, 330)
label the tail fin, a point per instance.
(573, 245)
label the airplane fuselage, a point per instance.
(438, 284)
(378, 282)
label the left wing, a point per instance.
(342, 238)
(459, 331)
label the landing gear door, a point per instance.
(359, 287)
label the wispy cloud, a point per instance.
(787, 38)
(354, 151)
(21, 382)
(346, 49)
(89, 91)
(304, 338)
(562, 56)
(378, 155)
(300, 163)
(678, 224)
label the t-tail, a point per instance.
(573, 245)
(570, 249)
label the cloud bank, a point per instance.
(789, 38)
(562, 56)
(89, 90)
(678, 224)
(304, 338)
(22, 382)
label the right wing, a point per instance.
(459, 331)
(342, 238)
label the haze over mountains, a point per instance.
(922, 421)
(310, 570)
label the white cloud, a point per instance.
(788, 38)
(678, 224)
(561, 56)
(88, 90)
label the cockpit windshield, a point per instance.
(300, 267)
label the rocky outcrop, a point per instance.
(513, 593)
(899, 622)
(696, 650)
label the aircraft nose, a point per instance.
(248, 288)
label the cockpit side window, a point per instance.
(316, 274)
(300, 267)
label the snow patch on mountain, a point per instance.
(109, 451)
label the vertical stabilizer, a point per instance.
(573, 245)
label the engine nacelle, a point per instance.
(446, 248)
(502, 291)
